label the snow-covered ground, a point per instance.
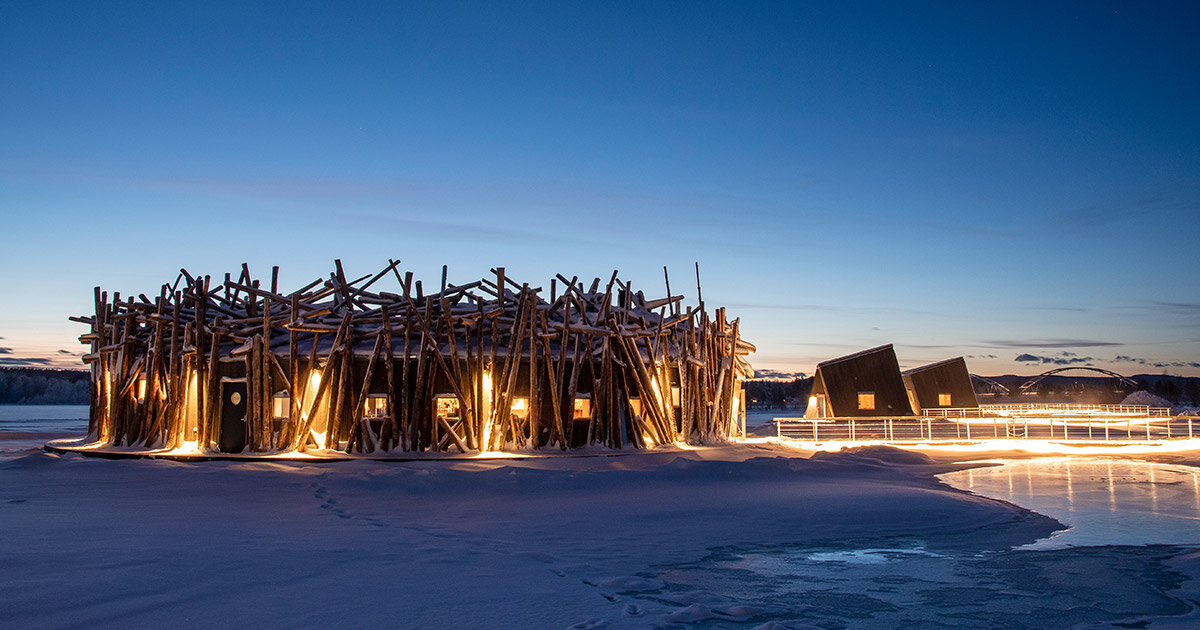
(749, 535)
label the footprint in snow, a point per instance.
(594, 622)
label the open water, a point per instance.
(1103, 501)
(1131, 528)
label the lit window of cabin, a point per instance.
(447, 406)
(583, 408)
(943, 400)
(866, 400)
(520, 408)
(281, 406)
(375, 406)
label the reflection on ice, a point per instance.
(867, 556)
(1104, 501)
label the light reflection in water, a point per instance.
(1103, 501)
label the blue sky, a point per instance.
(1002, 181)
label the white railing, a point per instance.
(924, 428)
(1050, 410)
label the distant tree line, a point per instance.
(773, 394)
(39, 386)
(1177, 389)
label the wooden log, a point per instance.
(366, 384)
(266, 357)
(406, 431)
(455, 374)
(535, 407)
(253, 380)
(294, 399)
(344, 415)
(212, 393)
(300, 439)
(418, 403)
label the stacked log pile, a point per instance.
(651, 372)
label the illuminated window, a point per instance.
(636, 405)
(943, 400)
(447, 406)
(281, 406)
(520, 408)
(583, 408)
(141, 390)
(375, 406)
(866, 400)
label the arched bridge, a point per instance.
(1031, 383)
(984, 384)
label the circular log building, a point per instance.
(237, 366)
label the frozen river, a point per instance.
(1130, 546)
(44, 419)
(827, 542)
(1102, 501)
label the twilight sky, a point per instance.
(1016, 183)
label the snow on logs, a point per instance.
(490, 365)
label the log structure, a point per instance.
(238, 366)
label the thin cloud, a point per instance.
(30, 362)
(825, 307)
(1063, 358)
(1107, 214)
(1178, 307)
(5, 350)
(1068, 309)
(1050, 343)
(783, 307)
(1121, 358)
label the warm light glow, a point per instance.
(191, 424)
(658, 394)
(375, 406)
(105, 433)
(310, 393)
(141, 389)
(944, 400)
(447, 406)
(519, 404)
(583, 408)
(486, 384)
(986, 446)
(866, 400)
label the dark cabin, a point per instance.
(940, 385)
(863, 384)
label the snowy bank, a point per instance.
(743, 535)
(540, 543)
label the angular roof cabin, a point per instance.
(241, 366)
(863, 384)
(941, 385)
